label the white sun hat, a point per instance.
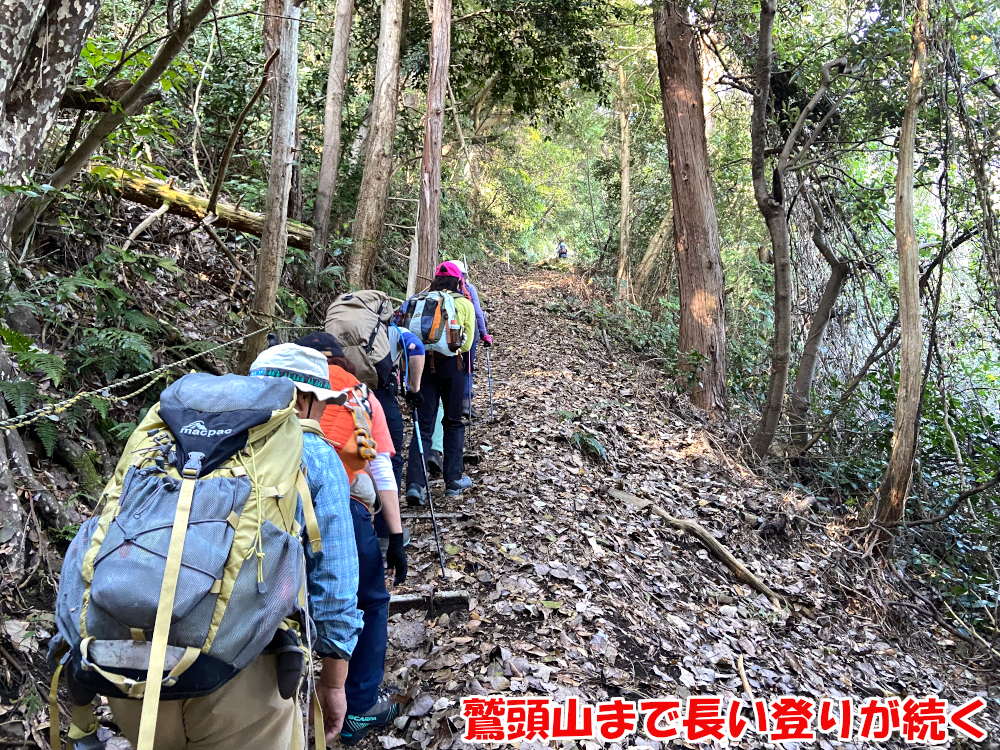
(461, 266)
(306, 368)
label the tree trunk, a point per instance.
(332, 119)
(374, 193)
(696, 226)
(891, 500)
(273, 239)
(774, 216)
(802, 390)
(429, 215)
(644, 291)
(626, 158)
(40, 44)
(74, 13)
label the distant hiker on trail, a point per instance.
(368, 706)
(562, 250)
(194, 569)
(445, 321)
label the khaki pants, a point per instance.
(244, 714)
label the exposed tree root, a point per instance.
(703, 535)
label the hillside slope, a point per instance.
(573, 591)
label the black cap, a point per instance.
(322, 341)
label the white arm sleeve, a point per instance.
(385, 480)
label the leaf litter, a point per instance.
(575, 592)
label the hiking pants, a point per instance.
(447, 384)
(470, 368)
(367, 666)
(244, 714)
(387, 396)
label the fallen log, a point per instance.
(704, 536)
(155, 194)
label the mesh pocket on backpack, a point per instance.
(128, 571)
(252, 617)
(71, 584)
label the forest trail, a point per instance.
(574, 592)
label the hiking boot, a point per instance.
(415, 496)
(434, 464)
(453, 489)
(357, 726)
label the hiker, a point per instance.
(562, 250)
(408, 354)
(212, 446)
(444, 379)
(360, 322)
(368, 706)
(481, 333)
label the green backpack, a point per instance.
(195, 565)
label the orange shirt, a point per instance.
(338, 422)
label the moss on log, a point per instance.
(154, 194)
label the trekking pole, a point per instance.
(427, 486)
(489, 379)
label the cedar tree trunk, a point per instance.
(696, 226)
(429, 215)
(332, 119)
(273, 239)
(369, 218)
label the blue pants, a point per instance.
(447, 385)
(367, 666)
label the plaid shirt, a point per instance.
(333, 572)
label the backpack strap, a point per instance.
(165, 607)
(309, 511)
(378, 324)
(133, 688)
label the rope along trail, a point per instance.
(156, 375)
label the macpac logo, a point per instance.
(198, 429)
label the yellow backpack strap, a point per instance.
(164, 611)
(63, 655)
(312, 525)
(319, 731)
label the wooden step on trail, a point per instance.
(436, 603)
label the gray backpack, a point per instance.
(195, 564)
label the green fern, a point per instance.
(134, 320)
(30, 358)
(17, 341)
(48, 432)
(114, 351)
(19, 394)
(101, 406)
(50, 364)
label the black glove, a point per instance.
(395, 557)
(414, 399)
(272, 340)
